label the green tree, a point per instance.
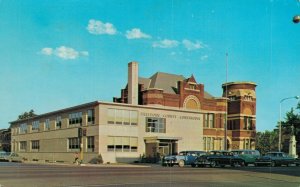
(27, 115)
(267, 141)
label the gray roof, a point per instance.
(165, 81)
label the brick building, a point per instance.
(164, 89)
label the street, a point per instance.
(31, 175)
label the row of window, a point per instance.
(211, 143)
(73, 143)
(74, 118)
(122, 144)
(234, 125)
(122, 117)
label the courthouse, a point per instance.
(160, 115)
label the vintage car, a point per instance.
(10, 157)
(249, 156)
(182, 159)
(3, 155)
(275, 159)
(218, 158)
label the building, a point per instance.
(5, 139)
(155, 116)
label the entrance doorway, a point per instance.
(158, 147)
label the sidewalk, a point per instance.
(95, 165)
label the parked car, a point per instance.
(10, 157)
(218, 158)
(182, 159)
(248, 156)
(297, 161)
(3, 155)
(275, 159)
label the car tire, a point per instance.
(213, 164)
(193, 165)
(273, 164)
(243, 164)
(181, 163)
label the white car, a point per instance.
(10, 157)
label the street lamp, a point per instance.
(296, 19)
(279, 135)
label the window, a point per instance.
(247, 123)
(192, 86)
(74, 143)
(23, 128)
(58, 122)
(91, 142)
(122, 144)
(47, 124)
(35, 125)
(23, 145)
(122, 117)
(246, 144)
(75, 118)
(209, 120)
(35, 144)
(156, 125)
(208, 143)
(91, 116)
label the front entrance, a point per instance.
(164, 149)
(157, 147)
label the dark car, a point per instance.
(218, 158)
(249, 156)
(275, 159)
(182, 159)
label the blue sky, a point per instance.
(57, 54)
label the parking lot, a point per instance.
(24, 174)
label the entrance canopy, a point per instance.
(157, 139)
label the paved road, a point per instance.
(31, 175)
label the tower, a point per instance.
(241, 110)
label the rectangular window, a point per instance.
(111, 116)
(209, 120)
(133, 117)
(157, 125)
(58, 122)
(35, 125)
(35, 144)
(122, 117)
(74, 143)
(247, 123)
(75, 118)
(126, 117)
(23, 145)
(23, 128)
(47, 124)
(119, 117)
(122, 144)
(91, 116)
(91, 142)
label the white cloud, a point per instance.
(204, 57)
(47, 51)
(192, 46)
(66, 53)
(165, 43)
(98, 27)
(136, 33)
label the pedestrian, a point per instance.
(76, 158)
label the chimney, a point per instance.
(133, 83)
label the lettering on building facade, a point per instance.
(171, 116)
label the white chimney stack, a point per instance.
(133, 78)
